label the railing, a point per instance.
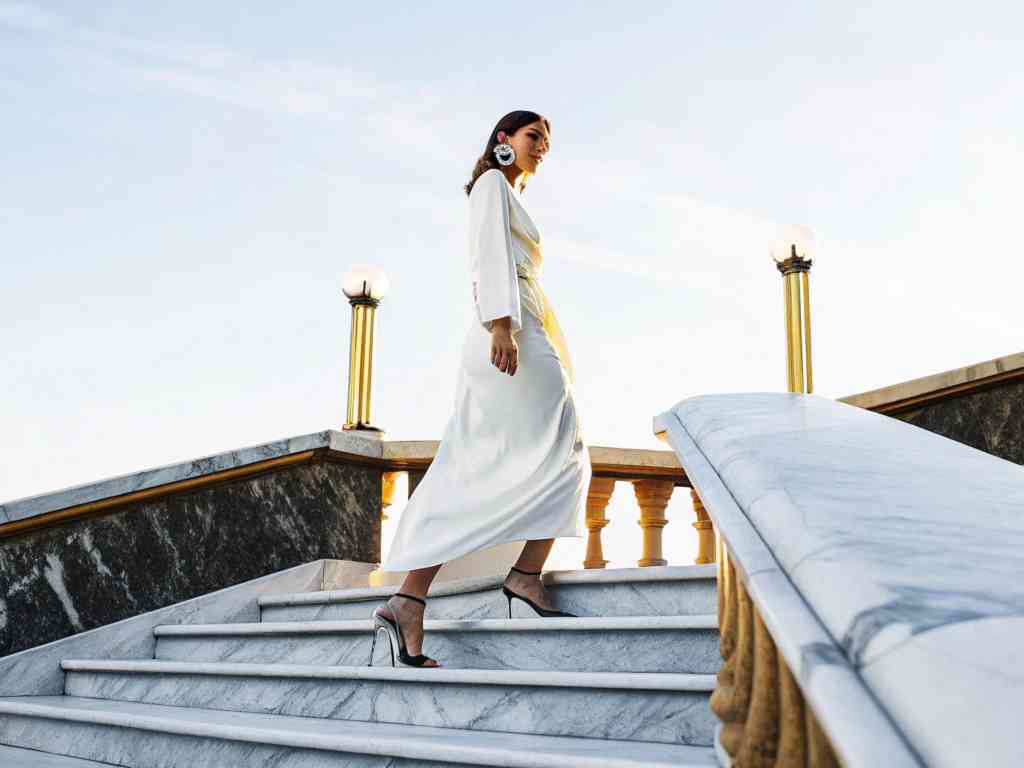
(653, 474)
(853, 632)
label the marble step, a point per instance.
(656, 591)
(15, 757)
(669, 708)
(136, 735)
(610, 644)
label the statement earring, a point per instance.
(504, 153)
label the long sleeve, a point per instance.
(495, 283)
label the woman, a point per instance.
(511, 465)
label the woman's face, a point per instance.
(531, 143)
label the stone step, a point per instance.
(15, 757)
(669, 708)
(607, 644)
(135, 735)
(656, 591)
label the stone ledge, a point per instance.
(133, 482)
(939, 386)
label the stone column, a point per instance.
(598, 494)
(705, 532)
(652, 496)
(387, 492)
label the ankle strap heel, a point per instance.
(525, 573)
(419, 600)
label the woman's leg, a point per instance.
(409, 612)
(534, 554)
(418, 582)
(531, 559)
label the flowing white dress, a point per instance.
(511, 464)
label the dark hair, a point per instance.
(510, 123)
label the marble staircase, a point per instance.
(625, 685)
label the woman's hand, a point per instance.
(504, 350)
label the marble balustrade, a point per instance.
(868, 616)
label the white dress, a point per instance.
(511, 464)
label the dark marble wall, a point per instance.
(991, 420)
(89, 572)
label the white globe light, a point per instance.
(796, 237)
(365, 281)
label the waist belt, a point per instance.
(547, 317)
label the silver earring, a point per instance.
(505, 154)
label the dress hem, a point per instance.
(530, 537)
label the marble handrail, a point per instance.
(881, 560)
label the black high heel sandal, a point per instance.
(396, 638)
(547, 612)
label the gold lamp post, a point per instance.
(364, 285)
(792, 255)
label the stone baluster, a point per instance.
(765, 721)
(761, 730)
(652, 496)
(387, 492)
(792, 733)
(705, 532)
(598, 495)
(731, 699)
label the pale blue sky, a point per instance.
(183, 188)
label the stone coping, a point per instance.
(424, 450)
(606, 461)
(625, 461)
(939, 386)
(333, 440)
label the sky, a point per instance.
(185, 186)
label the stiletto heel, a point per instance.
(545, 612)
(393, 628)
(373, 645)
(377, 627)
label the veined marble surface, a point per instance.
(667, 591)
(908, 549)
(97, 570)
(37, 671)
(132, 733)
(19, 509)
(13, 757)
(666, 708)
(618, 644)
(665, 573)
